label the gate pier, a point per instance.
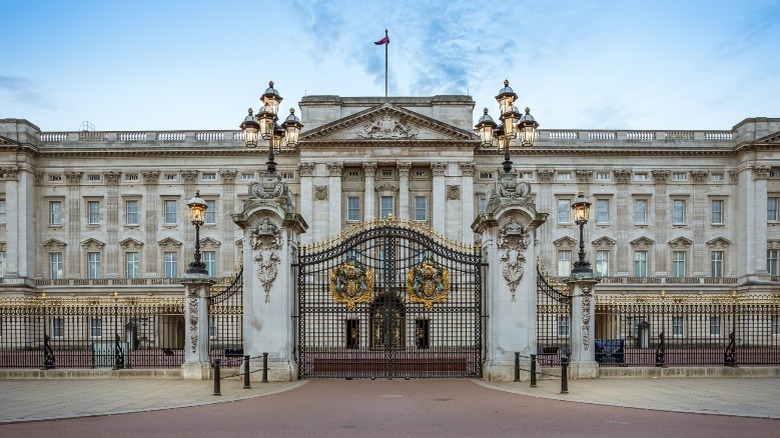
(271, 227)
(582, 361)
(508, 237)
(196, 327)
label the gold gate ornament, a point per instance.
(427, 283)
(350, 284)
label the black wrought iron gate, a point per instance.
(389, 299)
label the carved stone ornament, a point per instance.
(761, 172)
(189, 176)
(272, 187)
(321, 193)
(8, 173)
(228, 176)
(545, 176)
(699, 176)
(428, 284)
(584, 176)
(661, 176)
(622, 176)
(513, 240)
(111, 177)
(266, 240)
(192, 306)
(384, 126)
(586, 296)
(453, 192)
(509, 188)
(150, 177)
(306, 169)
(351, 283)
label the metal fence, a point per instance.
(553, 319)
(226, 311)
(108, 332)
(688, 330)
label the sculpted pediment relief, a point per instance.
(386, 123)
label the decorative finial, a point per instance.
(250, 111)
(484, 111)
(270, 84)
(506, 82)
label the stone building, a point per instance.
(97, 212)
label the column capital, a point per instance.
(335, 169)
(150, 176)
(467, 169)
(661, 176)
(189, 176)
(403, 168)
(761, 172)
(306, 169)
(228, 176)
(369, 169)
(73, 178)
(438, 168)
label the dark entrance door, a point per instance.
(389, 299)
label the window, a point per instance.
(210, 260)
(640, 177)
(353, 209)
(564, 176)
(717, 263)
(714, 325)
(55, 213)
(55, 178)
(526, 175)
(486, 175)
(677, 326)
(421, 173)
(483, 204)
(93, 265)
(131, 265)
(171, 177)
(93, 177)
(640, 211)
(640, 263)
(287, 175)
(602, 176)
(55, 265)
(716, 208)
(95, 327)
(771, 209)
(131, 177)
(564, 263)
(602, 263)
(247, 176)
(716, 177)
(212, 326)
(131, 213)
(420, 208)
(2, 211)
(2, 264)
(564, 323)
(564, 211)
(679, 176)
(772, 265)
(678, 264)
(678, 212)
(602, 211)
(93, 212)
(211, 212)
(387, 172)
(171, 265)
(57, 327)
(385, 206)
(211, 176)
(170, 212)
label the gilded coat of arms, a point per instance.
(427, 283)
(351, 284)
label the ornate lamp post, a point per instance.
(197, 208)
(513, 125)
(264, 125)
(581, 207)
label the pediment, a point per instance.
(209, 243)
(719, 242)
(5, 141)
(130, 243)
(92, 244)
(386, 123)
(565, 242)
(603, 242)
(54, 244)
(642, 242)
(681, 242)
(169, 242)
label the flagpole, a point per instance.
(386, 36)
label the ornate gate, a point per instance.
(389, 299)
(553, 320)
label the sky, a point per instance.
(198, 65)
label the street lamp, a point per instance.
(513, 125)
(264, 125)
(581, 207)
(197, 208)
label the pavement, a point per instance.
(23, 400)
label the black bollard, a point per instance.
(564, 375)
(265, 368)
(217, 390)
(246, 372)
(533, 371)
(517, 367)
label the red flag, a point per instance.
(385, 40)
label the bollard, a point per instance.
(564, 375)
(246, 372)
(265, 368)
(533, 371)
(216, 378)
(517, 367)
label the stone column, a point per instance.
(196, 327)
(21, 230)
(369, 197)
(582, 359)
(306, 197)
(151, 224)
(334, 199)
(271, 227)
(508, 235)
(228, 204)
(74, 220)
(755, 245)
(467, 200)
(111, 249)
(439, 198)
(403, 189)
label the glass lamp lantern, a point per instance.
(581, 207)
(250, 128)
(527, 127)
(292, 128)
(197, 207)
(271, 98)
(506, 98)
(486, 129)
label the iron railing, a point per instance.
(553, 319)
(226, 310)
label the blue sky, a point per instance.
(197, 65)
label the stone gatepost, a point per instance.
(508, 237)
(196, 364)
(271, 228)
(582, 360)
